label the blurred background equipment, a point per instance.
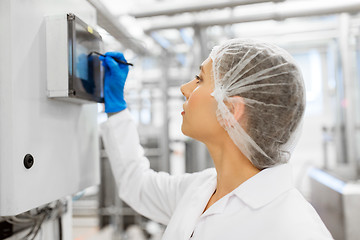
(55, 178)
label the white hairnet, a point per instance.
(268, 82)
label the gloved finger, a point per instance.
(102, 59)
(111, 63)
(104, 64)
(117, 55)
(107, 69)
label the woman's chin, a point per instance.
(183, 129)
(186, 131)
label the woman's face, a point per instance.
(199, 115)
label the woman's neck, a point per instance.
(232, 167)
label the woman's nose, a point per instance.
(184, 90)
(188, 88)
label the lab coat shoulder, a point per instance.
(268, 206)
(152, 194)
(290, 216)
(192, 181)
(160, 192)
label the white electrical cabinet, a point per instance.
(73, 73)
(48, 148)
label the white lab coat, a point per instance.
(266, 206)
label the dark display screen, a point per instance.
(86, 75)
(82, 69)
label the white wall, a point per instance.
(61, 136)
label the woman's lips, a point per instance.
(183, 112)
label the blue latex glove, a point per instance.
(114, 82)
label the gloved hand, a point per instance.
(114, 82)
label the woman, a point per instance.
(246, 106)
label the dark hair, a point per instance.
(275, 101)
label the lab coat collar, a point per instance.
(183, 223)
(217, 207)
(258, 190)
(265, 186)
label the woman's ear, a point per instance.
(237, 107)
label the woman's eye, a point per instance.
(197, 78)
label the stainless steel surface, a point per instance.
(197, 157)
(110, 205)
(338, 203)
(281, 12)
(164, 135)
(107, 21)
(194, 7)
(346, 64)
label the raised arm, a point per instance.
(152, 194)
